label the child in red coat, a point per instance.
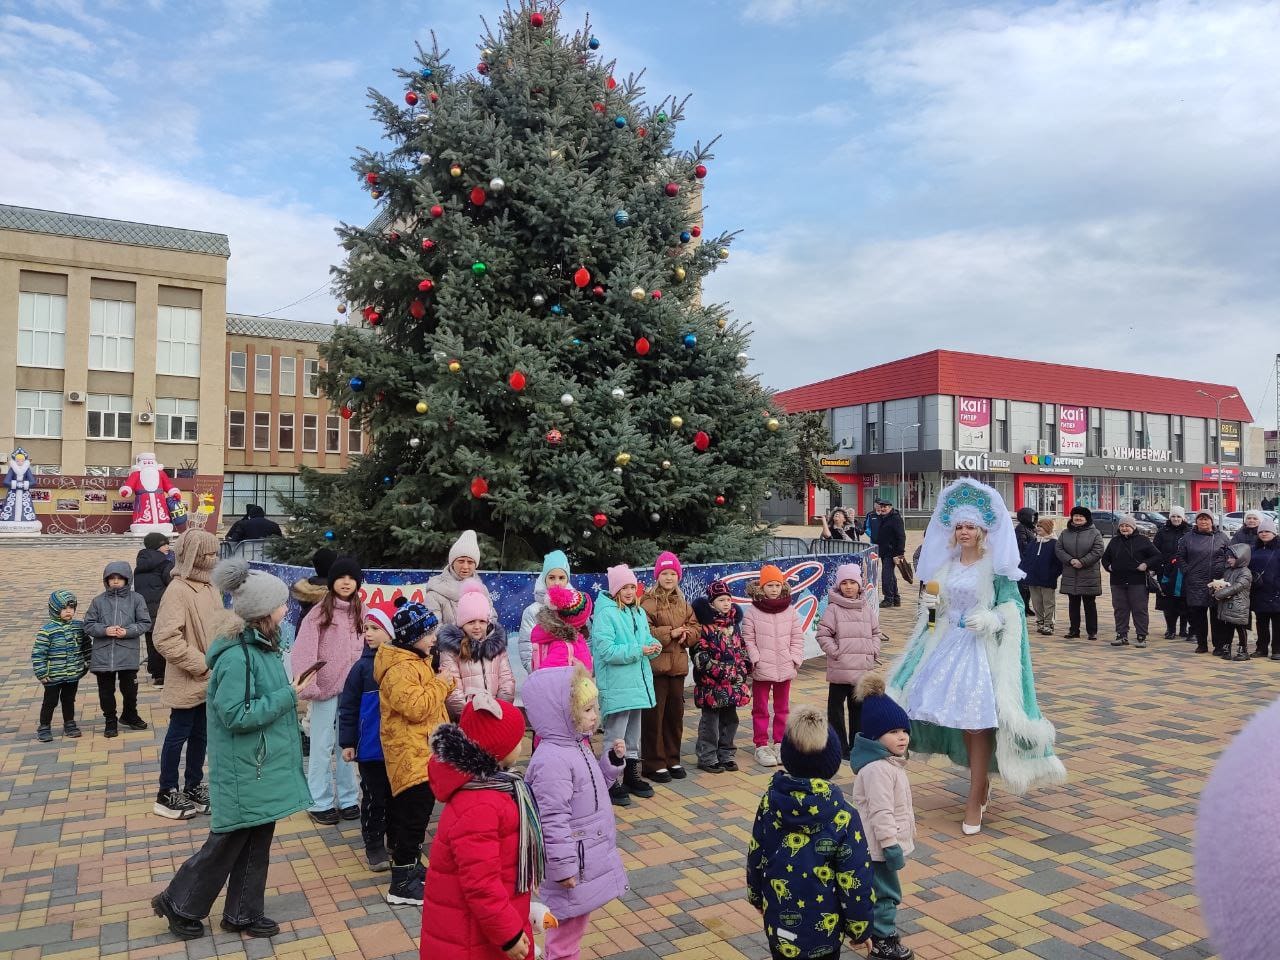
(487, 856)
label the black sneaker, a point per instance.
(326, 818)
(173, 805)
(111, 730)
(1071, 635)
(199, 797)
(710, 768)
(619, 795)
(406, 887)
(1093, 636)
(350, 813)
(179, 925)
(660, 776)
(44, 734)
(134, 723)
(890, 948)
(730, 765)
(70, 730)
(677, 772)
(262, 927)
(1169, 634)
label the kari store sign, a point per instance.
(1073, 422)
(973, 423)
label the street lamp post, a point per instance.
(902, 429)
(1217, 451)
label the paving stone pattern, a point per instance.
(1099, 868)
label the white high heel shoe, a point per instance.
(969, 829)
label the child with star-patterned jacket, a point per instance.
(808, 869)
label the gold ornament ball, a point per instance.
(421, 407)
(666, 464)
(722, 323)
(554, 153)
(680, 274)
(342, 308)
(622, 459)
(723, 253)
(454, 366)
(637, 293)
(455, 170)
(772, 423)
(677, 421)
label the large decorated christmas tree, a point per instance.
(533, 358)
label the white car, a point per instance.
(1234, 520)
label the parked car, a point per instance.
(1106, 521)
(1152, 517)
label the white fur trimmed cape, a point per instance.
(1024, 754)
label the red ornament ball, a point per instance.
(642, 132)
(426, 284)
(433, 97)
(642, 346)
(700, 171)
(696, 230)
(673, 189)
(720, 500)
(482, 67)
(478, 196)
(411, 98)
(516, 381)
(428, 244)
(701, 440)
(554, 437)
(657, 294)
(365, 310)
(374, 318)
(600, 519)
(417, 309)
(598, 107)
(535, 19)
(437, 211)
(346, 412)
(479, 487)
(581, 277)
(370, 178)
(610, 84)
(598, 292)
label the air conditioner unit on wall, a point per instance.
(75, 396)
(146, 417)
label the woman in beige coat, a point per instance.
(188, 619)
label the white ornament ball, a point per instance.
(539, 300)
(414, 443)
(497, 185)
(655, 517)
(566, 400)
(586, 534)
(618, 471)
(743, 359)
(617, 393)
(666, 464)
(377, 284)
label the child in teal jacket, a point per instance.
(622, 646)
(60, 657)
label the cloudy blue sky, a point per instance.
(1092, 183)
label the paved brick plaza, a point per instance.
(1098, 868)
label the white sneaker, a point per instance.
(765, 757)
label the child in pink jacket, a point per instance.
(559, 634)
(849, 634)
(774, 636)
(473, 653)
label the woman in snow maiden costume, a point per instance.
(17, 513)
(153, 489)
(967, 684)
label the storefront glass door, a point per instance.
(1044, 498)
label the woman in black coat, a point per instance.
(1170, 600)
(1127, 558)
(1201, 558)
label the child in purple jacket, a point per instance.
(584, 868)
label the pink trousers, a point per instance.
(563, 942)
(760, 690)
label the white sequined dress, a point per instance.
(953, 686)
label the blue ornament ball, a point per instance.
(328, 534)
(685, 236)
(619, 122)
(426, 73)
(356, 383)
(557, 309)
(594, 43)
(690, 340)
(622, 218)
(386, 481)
(577, 342)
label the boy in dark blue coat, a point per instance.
(808, 870)
(1043, 568)
(359, 736)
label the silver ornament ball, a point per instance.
(414, 443)
(497, 185)
(539, 300)
(655, 517)
(618, 471)
(566, 400)
(617, 393)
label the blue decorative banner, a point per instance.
(808, 576)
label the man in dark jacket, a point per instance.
(151, 573)
(1025, 533)
(891, 540)
(254, 525)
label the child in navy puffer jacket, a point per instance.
(359, 736)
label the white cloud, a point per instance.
(776, 11)
(45, 34)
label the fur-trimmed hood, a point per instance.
(456, 761)
(707, 615)
(307, 590)
(494, 642)
(549, 620)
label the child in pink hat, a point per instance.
(559, 634)
(473, 652)
(849, 634)
(675, 626)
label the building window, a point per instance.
(355, 436)
(873, 437)
(111, 335)
(42, 329)
(235, 429)
(109, 416)
(239, 373)
(262, 431)
(332, 433)
(176, 420)
(286, 432)
(310, 375)
(39, 413)
(271, 491)
(288, 376)
(310, 431)
(262, 373)
(178, 341)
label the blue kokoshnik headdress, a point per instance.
(968, 501)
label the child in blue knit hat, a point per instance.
(882, 796)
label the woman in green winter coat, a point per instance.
(255, 762)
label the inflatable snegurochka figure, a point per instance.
(18, 515)
(153, 489)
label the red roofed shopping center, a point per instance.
(1046, 435)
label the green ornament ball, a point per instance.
(662, 117)
(478, 268)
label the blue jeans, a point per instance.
(187, 725)
(320, 775)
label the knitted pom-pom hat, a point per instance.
(254, 594)
(572, 606)
(495, 726)
(412, 622)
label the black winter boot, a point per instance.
(406, 887)
(889, 948)
(635, 783)
(619, 795)
(1242, 652)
